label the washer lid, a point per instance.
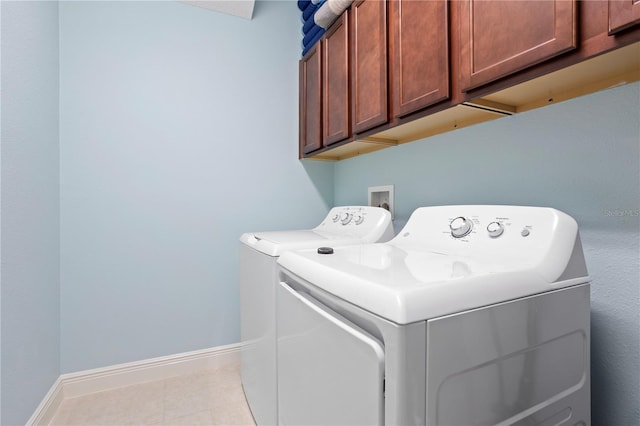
(346, 225)
(408, 285)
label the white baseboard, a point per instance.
(101, 379)
(47, 408)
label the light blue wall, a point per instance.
(178, 130)
(580, 156)
(30, 209)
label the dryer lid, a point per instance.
(425, 272)
(276, 242)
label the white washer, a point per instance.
(471, 315)
(258, 281)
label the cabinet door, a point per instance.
(310, 108)
(623, 14)
(498, 38)
(336, 93)
(420, 53)
(369, 64)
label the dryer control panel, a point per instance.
(540, 237)
(462, 226)
(473, 224)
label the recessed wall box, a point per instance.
(382, 196)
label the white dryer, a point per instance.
(258, 274)
(471, 315)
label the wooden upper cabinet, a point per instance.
(336, 91)
(310, 108)
(419, 35)
(369, 64)
(498, 38)
(623, 14)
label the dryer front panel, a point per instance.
(330, 371)
(522, 362)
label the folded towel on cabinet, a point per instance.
(330, 11)
(317, 16)
(306, 47)
(308, 11)
(308, 25)
(311, 35)
(302, 4)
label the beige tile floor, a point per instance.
(213, 397)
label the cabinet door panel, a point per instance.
(420, 54)
(623, 14)
(499, 38)
(369, 64)
(310, 108)
(336, 105)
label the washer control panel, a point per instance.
(354, 215)
(356, 220)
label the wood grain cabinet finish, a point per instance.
(369, 64)
(310, 108)
(498, 38)
(419, 42)
(623, 14)
(336, 105)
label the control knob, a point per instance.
(495, 229)
(359, 218)
(460, 227)
(346, 218)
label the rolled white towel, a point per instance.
(330, 11)
(324, 16)
(339, 6)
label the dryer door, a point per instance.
(330, 371)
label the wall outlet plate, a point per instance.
(382, 196)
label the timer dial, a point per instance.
(460, 227)
(346, 218)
